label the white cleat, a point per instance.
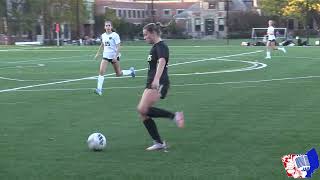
(179, 119)
(268, 57)
(133, 72)
(98, 91)
(157, 146)
(283, 50)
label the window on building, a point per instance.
(248, 3)
(14, 6)
(291, 24)
(129, 13)
(134, 13)
(221, 24)
(300, 25)
(221, 6)
(119, 12)
(153, 12)
(179, 11)
(138, 14)
(124, 13)
(212, 5)
(167, 12)
(197, 24)
(310, 23)
(143, 14)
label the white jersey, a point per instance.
(270, 33)
(110, 42)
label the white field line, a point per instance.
(254, 66)
(184, 85)
(85, 78)
(296, 57)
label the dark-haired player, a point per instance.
(111, 54)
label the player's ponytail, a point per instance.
(153, 28)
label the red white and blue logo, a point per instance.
(301, 165)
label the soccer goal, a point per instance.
(259, 34)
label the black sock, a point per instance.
(157, 112)
(152, 129)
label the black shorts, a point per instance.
(163, 89)
(273, 40)
(110, 60)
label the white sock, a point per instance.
(268, 54)
(126, 72)
(282, 49)
(100, 82)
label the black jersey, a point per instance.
(159, 50)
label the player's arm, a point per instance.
(160, 68)
(118, 46)
(98, 52)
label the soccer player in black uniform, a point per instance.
(157, 87)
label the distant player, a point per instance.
(271, 43)
(111, 54)
(156, 87)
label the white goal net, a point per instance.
(260, 33)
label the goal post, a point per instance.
(260, 33)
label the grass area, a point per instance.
(240, 120)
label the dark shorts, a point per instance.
(163, 89)
(273, 40)
(110, 60)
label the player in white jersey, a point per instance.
(271, 43)
(111, 54)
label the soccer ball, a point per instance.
(97, 141)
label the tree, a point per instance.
(71, 12)
(77, 15)
(273, 7)
(241, 23)
(3, 7)
(25, 15)
(126, 29)
(18, 20)
(303, 10)
(175, 30)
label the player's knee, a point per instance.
(142, 110)
(143, 117)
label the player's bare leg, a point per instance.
(117, 69)
(119, 72)
(147, 111)
(148, 99)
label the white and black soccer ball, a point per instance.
(97, 141)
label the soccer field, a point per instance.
(243, 113)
